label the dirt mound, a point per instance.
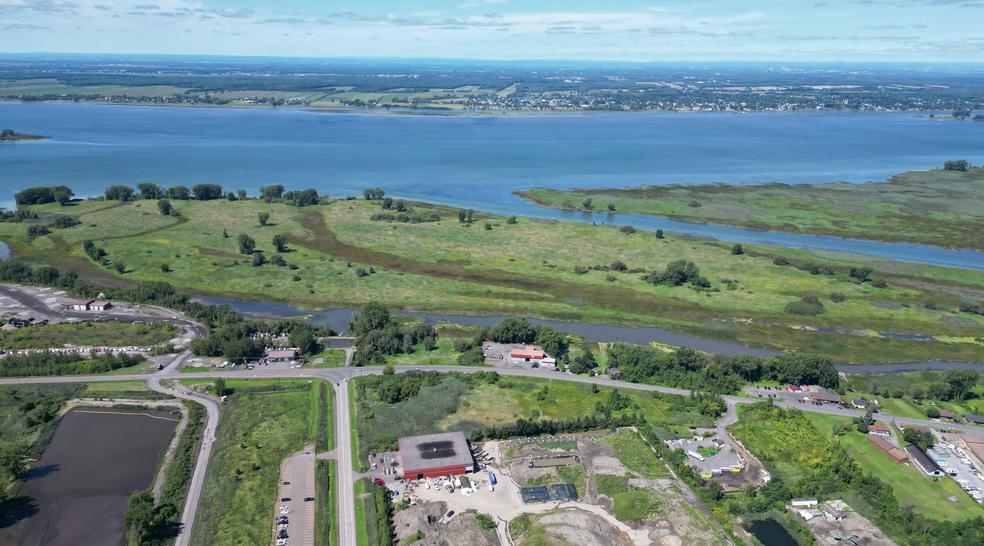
(580, 528)
(438, 530)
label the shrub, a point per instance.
(807, 306)
(488, 226)
(627, 230)
(611, 207)
(736, 250)
(827, 270)
(62, 222)
(878, 283)
(659, 234)
(618, 265)
(861, 273)
(37, 230)
(694, 204)
(246, 244)
(258, 259)
(360, 272)
(611, 278)
(165, 268)
(930, 303)
(780, 261)
(511, 220)
(580, 270)
(278, 260)
(295, 278)
(280, 242)
(587, 204)
(837, 297)
(461, 345)
(120, 266)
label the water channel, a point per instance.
(338, 319)
(77, 493)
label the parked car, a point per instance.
(308, 499)
(451, 513)
(286, 483)
(285, 499)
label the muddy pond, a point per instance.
(77, 493)
(770, 533)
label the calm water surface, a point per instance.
(477, 162)
(97, 458)
(770, 533)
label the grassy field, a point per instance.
(629, 503)
(87, 334)
(936, 207)
(450, 267)
(114, 387)
(633, 452)
(906, 384)
(331, 358)
(256, 433)
(911, 486)
(453, 406)
(361, 532)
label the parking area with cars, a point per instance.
(294, 521)
(952, 459)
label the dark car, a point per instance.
(451, 513)
(286, 483)
(285, 499)
(308, 499)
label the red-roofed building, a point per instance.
(947, 414)
(528, 354)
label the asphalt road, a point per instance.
(345, 484)
(343, 419)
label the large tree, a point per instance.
(272, 192)
(119, 192)
(960, 381)
(207, 192)
(246, 244)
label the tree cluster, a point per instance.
(43, 363)
(678, 273)
(404, 217)
(523, 428)
(373, 194)
(808, 305)
(377, 336)
(40, 195)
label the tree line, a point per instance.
(43, 363)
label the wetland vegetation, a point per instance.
(336, 255)
(939, 207)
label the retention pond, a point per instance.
(770, 533)
(77, 493)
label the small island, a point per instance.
(9, 135)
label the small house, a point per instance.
(888, 449)
(859, 403)
(797, 503)
(81, 305)
(614, 373)
(101, 306)
(881, 429)
(831, 513)
(947, 414)
(973, 419)
(282, 355)
(922, 460)
(528, 354)
(826, 396)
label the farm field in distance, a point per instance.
(464, 268)
(935, 207)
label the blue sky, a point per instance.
(630, 30)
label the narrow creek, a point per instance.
(338, 319)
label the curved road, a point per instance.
(343, 420)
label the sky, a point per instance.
(623, 30)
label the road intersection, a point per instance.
(167, 381)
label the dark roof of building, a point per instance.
(920, 457)
(971, 418)
(434, 451)
(887, 448)
(826, 395)
(947, 413)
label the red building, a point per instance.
(435, 455)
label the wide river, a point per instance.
(97, 458)
(478, 161)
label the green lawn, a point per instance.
(87, 334)
(451, 267)
(636, 455)
(900, 407)
(361, 533)
(909, 484)
(332, 358)
(256, 433)
(112, 387)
